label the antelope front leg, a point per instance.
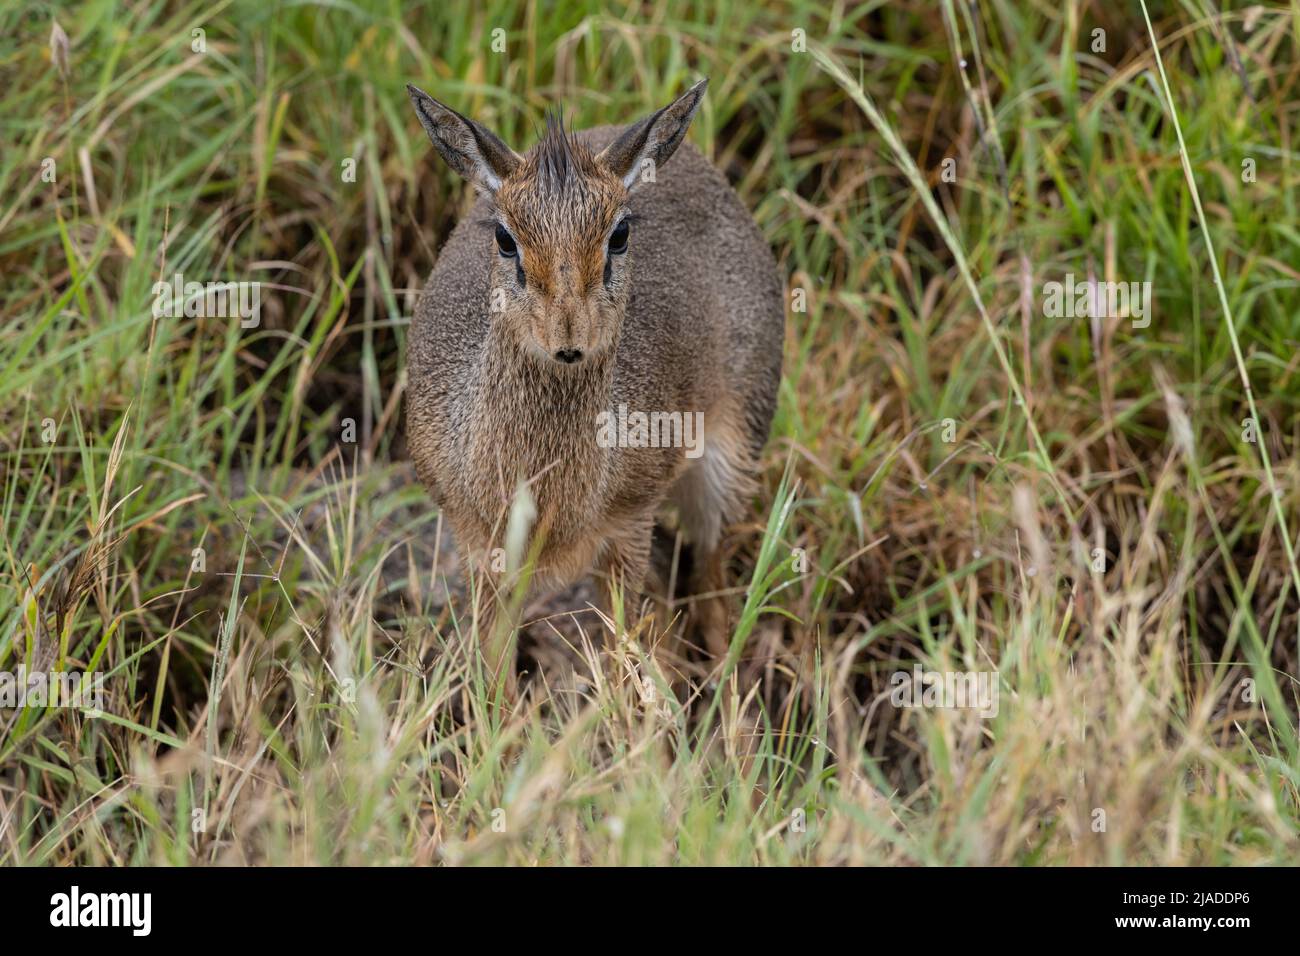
(623, 568)
(626, 565)
(494, 626)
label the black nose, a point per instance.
(569, 356)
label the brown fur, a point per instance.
(688, 319)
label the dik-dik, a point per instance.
(592, 276)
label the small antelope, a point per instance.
(588, 286)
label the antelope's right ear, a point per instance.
(654, 139)
(472, 150)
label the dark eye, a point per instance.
(506, 242)
(618, 239)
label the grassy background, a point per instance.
(310, 695)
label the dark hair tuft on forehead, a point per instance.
(561, 159)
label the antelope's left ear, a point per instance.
(652, 140)
(470, 148)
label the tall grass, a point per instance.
(1099, 514)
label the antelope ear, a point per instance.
(472, 150)
(652, 140)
